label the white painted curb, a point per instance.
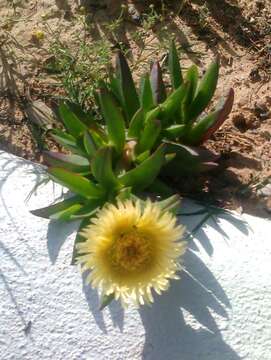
(221, 312)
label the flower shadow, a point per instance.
(198, 296)
(57, 233)
(115, 309)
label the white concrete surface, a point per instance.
(221, 312)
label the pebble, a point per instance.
(265, 191)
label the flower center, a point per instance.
(131, 251)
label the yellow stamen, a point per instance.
(131, 251)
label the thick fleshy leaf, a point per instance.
(192, 77)
(73, 163)
(65, 139)
(101, 166)
(67, 214)
(206, 126)
(159, 187)
(84, 117)
(88, 209)
(70, 120)
(205, 91)
(67, 206)
(149, 136)
(172, 203)
(76, 183)
(174, 131)
(223, 112)
(142, 157)
(153, 114)
(114, 85)
(169, 157)
(144, 174)
(113, 118)
(89, 144)
(106, 300)
(136, 124)
(129, 94)
(157, 84)
(174, 67)
(124, 194)
(173, 103)
(187, 161)
(146, 98)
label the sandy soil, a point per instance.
(239, 31)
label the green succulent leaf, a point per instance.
(88, 209)
(70, 120)
(89, 144)
(206, 126)
(188, 160)
(146, 98)
(153, 114)
(62, 209)
(173, 102)
(169, 157)
(223, 112)
(84, 117)
(174, 131)
(136, 124)
(67, 214)
(144, 174)
(115, 87)
(143, 156)
(106, 300)
(73, 163)
(159, 187)
(205, 92)
(127, 85)
(124, 194)
(149, 136)
(192, 77)
(174, 67)
(113, 118)
(66, 140)
(76, 183)
(172, 203)
(101, 166)
(157, 84)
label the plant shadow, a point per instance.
(132, 21)
(229, 16)
(187, 314)
(180, 21)
(198, 296)
(115, 309)
(57, 233)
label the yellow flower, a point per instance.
(131, 250)
(38, 35)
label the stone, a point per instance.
(265, 191)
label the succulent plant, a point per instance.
(177, 117)
(139, 136)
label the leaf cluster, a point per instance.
(142, 135)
